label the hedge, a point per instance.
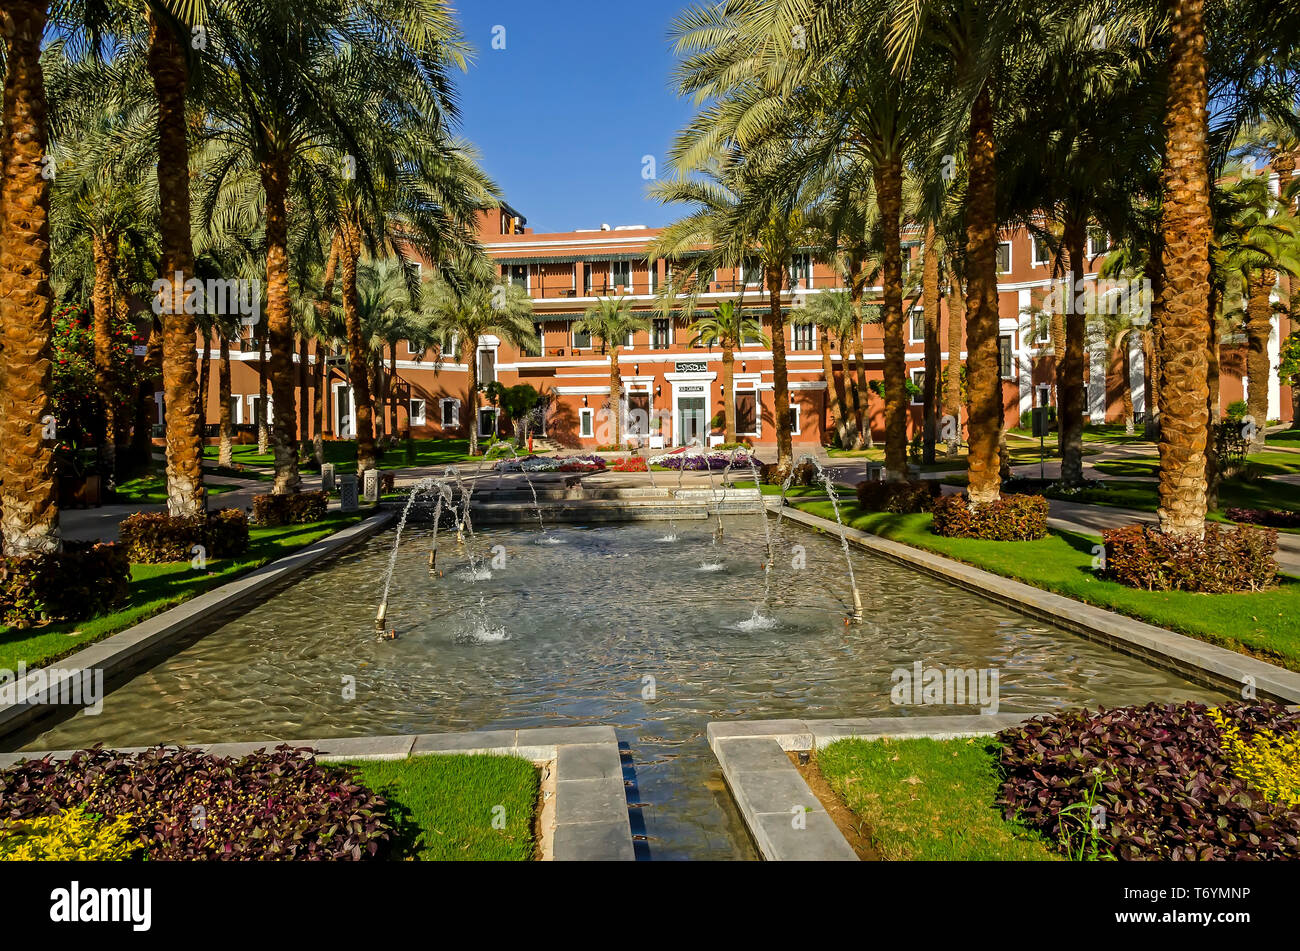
(154, 537)
(273, 510)
(85, 579)
(1242, 559)
(901, 498)
(1012, 518)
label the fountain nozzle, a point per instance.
(379, 617)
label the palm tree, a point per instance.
(463, 315)
(728, 327)
(612, 321)
(30, 521)
(832, 312)
(1182, 306)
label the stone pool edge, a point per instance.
(119, 652)
(1196, 659)
(770, 793)
(591, 821)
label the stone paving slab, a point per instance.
(117, 654)
(1185, 655)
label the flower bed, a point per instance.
(1157, 782)
(696, 460)
(587, 463)
(1223, 561)
(1272, 518)
(630, 464)
(187, 804)
(1010, 518)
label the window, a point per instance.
(1004, 257)
(746, 413)
(753, 272)
(1098, 242)
(417, 413)
(801, 271)
(653, 268)
(918, 380)
(517, 274)
(1004, 357)
(802, 337)
(237, 410)
(1042, 255)
(586, 280)
(917, 326)
(412, 351)
(659, 333)
(450, 414)
(487, 367)
(581, 340)
(620, 274)
(1042, 329)
(586, 419)
(487, 421)
(796, 422)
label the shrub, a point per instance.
(1140, 556)
(301, 507)
(899, 497)
(1272, 518)
(68, 836)
(83, 580)
(1268, 762)
(804, 473)
(154, 537)
(1012, 518)
(630, 464)
(1160, 774)
(276, 805)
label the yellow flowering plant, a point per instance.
(70, 835)
(1268, 762)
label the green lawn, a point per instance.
(1288, 437)
(1109, 433)
(929, 800)
(155, 588)
(1265, 463)
(152, 489)
(343, 454)
(445, 806)
(1261, 624)
(1233, 493)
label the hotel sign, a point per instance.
(690, 389)
(692, 367)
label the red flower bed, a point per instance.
(630, 464)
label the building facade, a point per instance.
(672, 386)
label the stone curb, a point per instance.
(118, 653)
(591, 816)
(769, 792)
(1197, 660)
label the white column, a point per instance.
(1137, 373)
(1096, 376)
(1274, 359)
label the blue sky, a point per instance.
(565, 113)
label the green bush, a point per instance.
(901, 498)
(83, 580)
(1223, 561)
(152, 538)
(1012, 518)
(274, 510)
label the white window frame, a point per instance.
(412, 352)
(919, 399)
(455, 412)
(1011, 263)
(586, 423)
(417, 419)
(1035, 246)
(613, 283)
(573, 341)
(796, 420)
(911, 325)
(811, 330)
(1092, 246)
(236, 409)
(748, 387)
(496, 422)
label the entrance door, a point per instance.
(343, 411)
(692, 421)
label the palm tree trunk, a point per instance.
(984, 382)
(392, 388)
(376, 370)
(1213, 465)
(29, 494)
(1259, 327)
(952, 399)
(349, 255)
(861, 396)
(616, 393)
(318, 405)
(471, 360)
(279, 327)
(1073, 396)
(185, 492)
(1182, 304)
(728, 400)
(263, 430)
(225, 452)
(304, 399)
(930, 296)
(104, 250)
(889, 195)
(775, 278)
(1126, 367)
(204, 374)
(834, 387)
(1058, 355)
(142, 428)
